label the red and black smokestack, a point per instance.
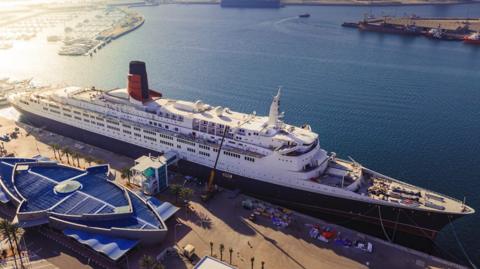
(138, 82)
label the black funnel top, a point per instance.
(138, 68)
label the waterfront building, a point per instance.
(82, 204)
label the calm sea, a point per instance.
(408, 107)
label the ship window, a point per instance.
(136, 128)
(166, 126)
(249, 159)
(126, 126)
(204, 153)
(77, 118)
(113, 122)
(113, 128)
(150, 138)
(176, 129)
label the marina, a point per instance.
(80, 31)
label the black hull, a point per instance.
(368, 217)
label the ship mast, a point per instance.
(274, 115)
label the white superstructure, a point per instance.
(256, 147)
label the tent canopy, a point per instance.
(113, 247)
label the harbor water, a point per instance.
(404, 106)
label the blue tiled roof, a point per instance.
(37, 190)
(57, 173)
(6, 176)
(97, 195)
(77, 197)
(142, 217)
(97, 186)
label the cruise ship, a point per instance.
(261, 156)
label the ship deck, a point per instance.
(379, 187)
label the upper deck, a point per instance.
(196, 118)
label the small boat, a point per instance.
(304, 15)
(472, 39)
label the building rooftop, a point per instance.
(46, 192)
(208, 262)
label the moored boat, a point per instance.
(472, 38)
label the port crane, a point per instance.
(210, 188)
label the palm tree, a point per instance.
(77, 156)
(5, 230)
(230, 250)
(211, 248)
(89, 160)
(148, 262)
(222, 248)
(186, 194)
(176, 189)
(54, 148)
(15, 232)
(66, 151)
(74, 155)
(252, 259)
(126, 173)
(58, 149)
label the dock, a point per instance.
(225, 221)
(453, 29)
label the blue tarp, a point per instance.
(113, 247)
(164, 209)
